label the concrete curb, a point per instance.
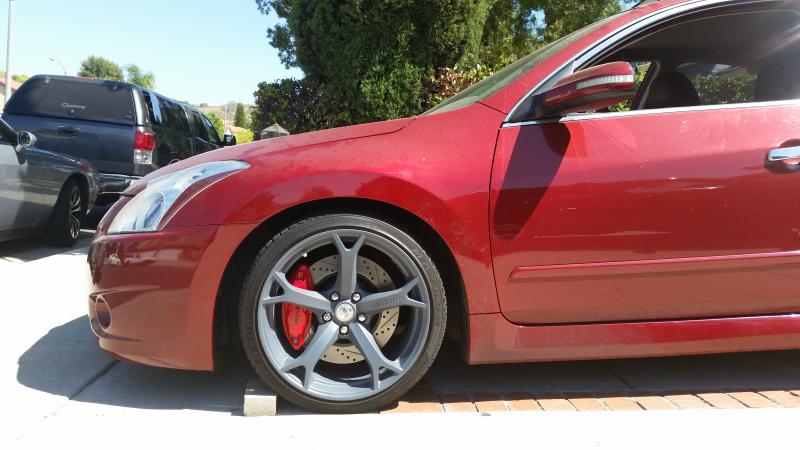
(259, 400)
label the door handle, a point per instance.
(782, 154)
(68, 131)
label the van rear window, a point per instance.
(106, 101)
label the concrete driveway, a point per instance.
(58, 388)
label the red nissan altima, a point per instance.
(626, 191)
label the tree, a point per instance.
(240, 118)
(297, 105)
(140, 78)
(18, 77)
(243, 136)
(218, 123)
(100, 68)
(385, 59)
(374, 57)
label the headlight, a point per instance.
(147, 210)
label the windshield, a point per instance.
(502, 78)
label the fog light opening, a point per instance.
(102, 313)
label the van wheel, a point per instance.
(65, 223)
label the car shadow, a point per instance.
(31, 249)
(71, 350)
(120, 384)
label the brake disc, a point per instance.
(384, 326)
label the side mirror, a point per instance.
(25, 139)
(587, 90)
(228, 140)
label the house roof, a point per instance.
(14, 84)
(275, 128)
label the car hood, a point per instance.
(246, 152)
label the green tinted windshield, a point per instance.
(502, 78)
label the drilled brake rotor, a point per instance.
(384, 326)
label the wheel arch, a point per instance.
(225, 307)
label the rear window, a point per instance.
(106, 101)
(153, 108)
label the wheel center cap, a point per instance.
(345, 312)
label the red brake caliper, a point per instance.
(296, 319)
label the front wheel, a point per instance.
(342, 313)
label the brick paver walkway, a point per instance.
(523, 401)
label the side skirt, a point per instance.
(493, 339)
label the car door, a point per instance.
(667, 213)
(20, 200)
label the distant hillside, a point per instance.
(220, 111)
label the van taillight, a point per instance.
(143, 145)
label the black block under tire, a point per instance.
(57, 232)
(281, 243)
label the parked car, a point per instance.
(558, 210)
(125, 131)
(42, 192)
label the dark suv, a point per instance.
(125, 131)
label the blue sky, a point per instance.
(200, 50)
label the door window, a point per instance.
(199, 127)
(7, 135)
(741, 55)
(212, 132)
(721, 84)
(173, 115)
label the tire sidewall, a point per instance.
(283, 242)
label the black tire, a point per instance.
(64, 226)
(261, 269)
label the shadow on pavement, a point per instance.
(44, 368)
(777, 370)
(31, 249)
(133, 386)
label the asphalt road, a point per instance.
(58, 388)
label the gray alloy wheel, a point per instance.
(75, 211)
(349, 311)
(64, 226)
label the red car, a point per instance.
(623, 192)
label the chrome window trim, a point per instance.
(649, 112)
(618, 35)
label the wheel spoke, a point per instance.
(346, 275)
(324, 337)
(390, 299)
(301, 297)
(373, 354)
(75, 199)
(74, 226)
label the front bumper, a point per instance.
(152, 295)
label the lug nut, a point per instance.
(326, 317)
(343, 329)
(335, 296)
(362, 317)
(355, 297)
